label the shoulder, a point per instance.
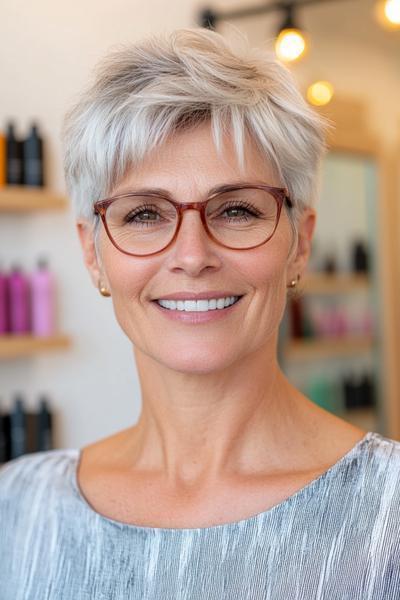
(378, 478)
(36, 493)
(37, 512)
(382, 462)
(30, 475)
(383, 452)
(367, 479)
(378, 457)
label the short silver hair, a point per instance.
(144, 92)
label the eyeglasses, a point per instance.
(236, 217)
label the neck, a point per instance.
(200, 427)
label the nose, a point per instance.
(193, 249)
(192, 233)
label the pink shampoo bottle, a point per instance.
(42, 289)
(19, 297)
(4, 308)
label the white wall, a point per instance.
(47, 51)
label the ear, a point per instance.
(305, 231)
(86, 238)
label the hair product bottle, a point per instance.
(33, 158)
(4, 309)
(296, 311)
(18, 429)
(19, 297)
(44, 438)
(360, 258)
(42, 295)
(14, 166)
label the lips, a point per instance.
(189, 317)
(199, 296)
(195, 308)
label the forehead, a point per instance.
(188, 162)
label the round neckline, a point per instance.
(309, 487)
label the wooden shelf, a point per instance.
(14, 346)
(321, 283)
(327, 347)
(18, 199)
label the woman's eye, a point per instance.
(239, 210)
(137, 216)
(146, 213)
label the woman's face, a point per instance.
(188, 166)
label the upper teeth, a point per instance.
(198, 305)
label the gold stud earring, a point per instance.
(294, 282)
(103, 290)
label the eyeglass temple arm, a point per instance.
(288, 200)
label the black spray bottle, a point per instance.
(44, 439)
(14, 163)
(18, 428)
(33, 158)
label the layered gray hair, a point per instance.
(144, 92)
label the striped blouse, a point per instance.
(336, 538)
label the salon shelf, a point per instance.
(14, 346)
(328, 347)
(18, 199)
(321, 283)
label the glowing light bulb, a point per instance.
(392, 11)
(290, 45)
(387, 13)
(320, 93)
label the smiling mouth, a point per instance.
(195, 306)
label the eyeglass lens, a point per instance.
(238, 219)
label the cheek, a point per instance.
(267, 266)
(128, 277)
(128, 283)
(266, 273)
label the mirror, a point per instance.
(338, 341)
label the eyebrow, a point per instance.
(225, 187)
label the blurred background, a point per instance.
(67, 374)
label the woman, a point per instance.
(193, 169)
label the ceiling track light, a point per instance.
(209, 18)
(291, 43)
(288, 21)
(320, 93)
(389, 11)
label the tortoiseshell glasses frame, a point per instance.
(280, 194)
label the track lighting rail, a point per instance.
(209, 17)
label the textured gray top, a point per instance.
(336, 538)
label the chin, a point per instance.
(192, 360)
